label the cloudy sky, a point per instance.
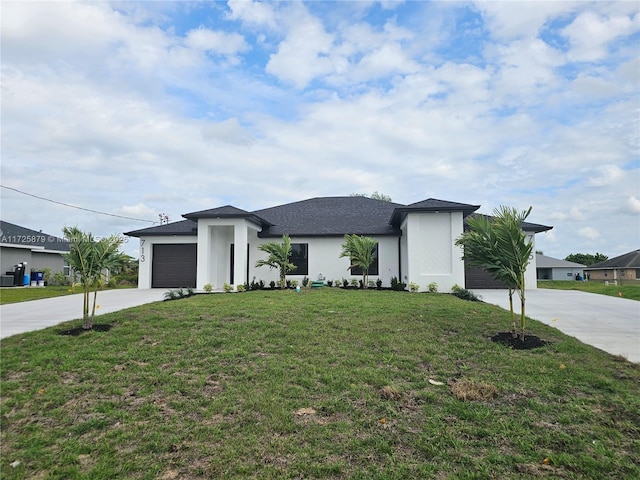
(141, 108)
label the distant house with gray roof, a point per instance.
(621, 268)
(416, 243)
(549, 268)
(38, 249)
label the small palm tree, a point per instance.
(278, 258)
(500, 246)
(89, 259)
(361, 252)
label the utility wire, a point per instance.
(74, 206)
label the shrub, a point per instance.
(305, 281)
(371, 284)
(170, 295)
(227, 288)
(397, 285)
(292, 283)
(329, 283)
(464, 294)
(345, 283)
(432, 287)
(379, 283)
(60, 279)
(272, 284)
(241, 287)
(208, 288)
(414, 287)
(354, 282)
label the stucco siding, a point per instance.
(431, 240)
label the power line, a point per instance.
(74, 206)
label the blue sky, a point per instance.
(142, 108)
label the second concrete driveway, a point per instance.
(609, 323)
(27, 316)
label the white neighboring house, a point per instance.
(39, 250)
(416, 243)
(549, 268)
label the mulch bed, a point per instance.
(530, 341)
(98, 327)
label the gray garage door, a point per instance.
(174, 265)
(475, 277)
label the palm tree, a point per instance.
(500, 246)
(89, 259)
(361, 252)
(515, 251)
(278, 258)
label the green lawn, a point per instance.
(629, 290)
(326, 383)
(24, 294)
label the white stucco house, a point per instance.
(416, 243)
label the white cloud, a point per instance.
(632, 204)
(254, 13)
(303, 54)
(216, 42)
(228, 131)
(589, 233)
(605, 175)
(590, 34)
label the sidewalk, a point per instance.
(37, 314)
(611, 324)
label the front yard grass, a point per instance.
(629, 289)
(24, 294)
(326, 383)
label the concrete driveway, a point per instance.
(37, 314)
(611, 324)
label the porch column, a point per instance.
(240, 239)
(203, 273)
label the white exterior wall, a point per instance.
(431, 250)
(146, 254)
(530, 275)
(325, 260)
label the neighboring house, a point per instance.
(40, 250)
(621, 268)
(549, 268)
(416, 243)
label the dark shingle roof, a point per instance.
(330, 216)
(432, 205)
(183, 227)
(322, 216)
(228, 211)
(526, 226)
(627, 260)
(17, 235)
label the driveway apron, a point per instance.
(37, 314)
(609, 323)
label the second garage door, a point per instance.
(174, 265)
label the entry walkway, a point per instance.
(611, 324)
(37, 314)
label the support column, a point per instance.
(240, 239)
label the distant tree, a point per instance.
(278, 258)
(539, 252)
(586, 258)
(375, 195)
(360, 250)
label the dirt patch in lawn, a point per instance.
(529, 342)
(98, 327)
